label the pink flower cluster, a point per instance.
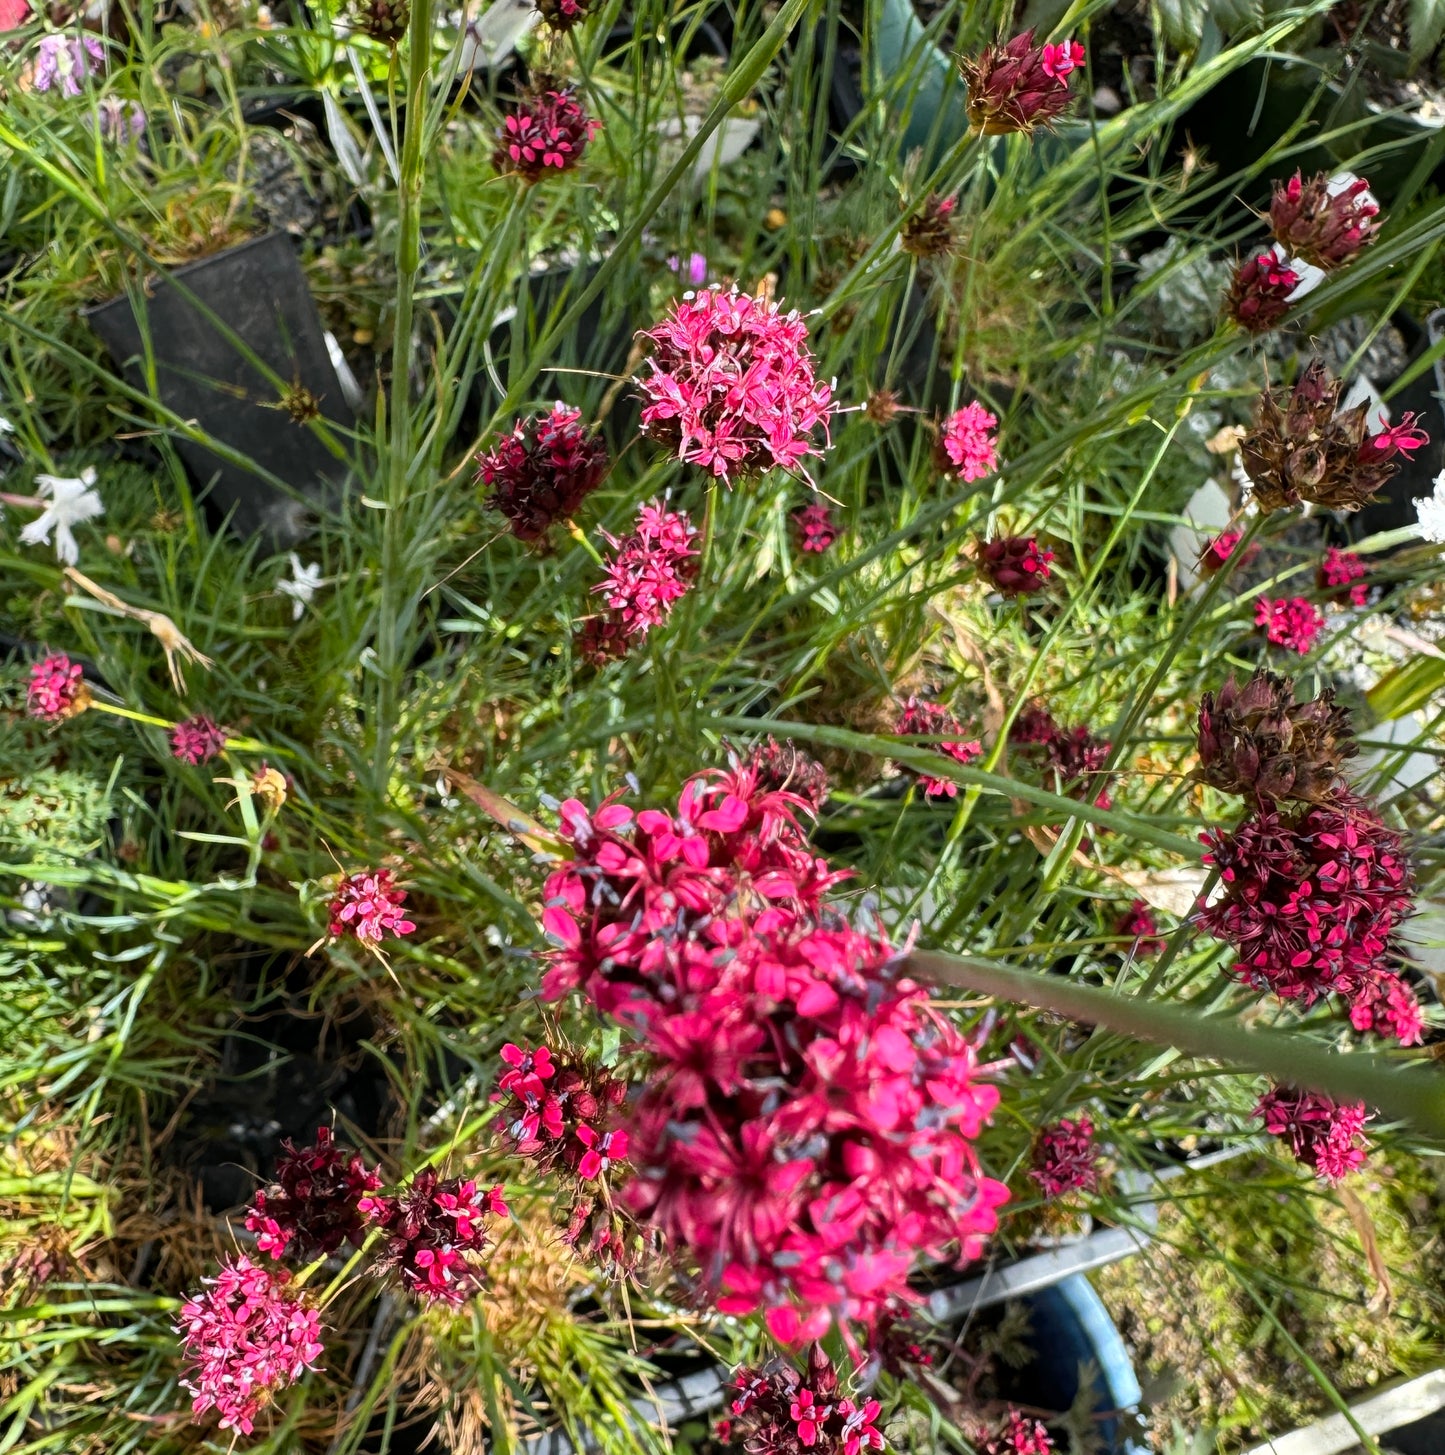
(806, 1128)
(932, 719)
(1020, 1435)
(732, 386)
(1017, 86)
(1311, 902)
(1065, 1158)
(649, 572)
(1294, 622)
(1221, 548)
(546, 128)
(557, 1109)
(57, 689)
(1139, 925)
(816, 525)
(779, 1411)
(314, 1205)
(197, 740)
(435, 1233)
(1259, 294)
(1014, 565)
(968, 443)
(247, 1336)
(368, 907)
(542, 471)
(1344, 573)
(1327, 1136)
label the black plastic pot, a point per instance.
(205, 321)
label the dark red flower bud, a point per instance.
(1258, 296)
(1015, 565)
(1018, 86)
(1326, 221)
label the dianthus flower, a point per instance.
(247, 1336)
(1020, 1435)
(1289, 621)
(368, 906)
(1257, 741)
(1387, 1006)
(923, 718)
(1019, 86)
(650, 570)
(562, 15)
(1327, 220)
(542, 471)
(57, 689)
(557, 1107)
(816, 527)
(67, 60)
(1344, 572)
(547, 129)
(785, 766)
(1311, 902)
(806, 1126)
(731, 385)
(1301, 449)
(1260, 292)
(1139, 925)
(197, 740)
(1221, 548)
(930, 231)
(1074, 754)
(313, 1206)
(779, 1411)
(1325, 1135)
(1015, 565)
(967, 443)
(435, 1233)
(1065, 1158)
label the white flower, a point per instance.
(71, 501)
(1431, 512)
(302, 587)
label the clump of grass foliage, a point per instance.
(162, 957)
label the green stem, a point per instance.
(389, 628)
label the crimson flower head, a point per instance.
(1019, 86)
(1015, 565)
(312, 1207)
(197, 740)
(1386, 1005)
(930, 230)
(967, 443)
(247, 1336)
(1327, 220)
(1020, 1435)
(435, 1233)
(785, 767)
(732, 386)
(1343, 572)
(806, 1123)
(1074, 754)
(1327, 1136)
(1311, 902)
(1065, 1158)
(1139, 925)
(1289, 621)
(546, 130)
(542, 471)
(650, 570)
(817, 528)
(1302, 449)
(562, 15)
(1259, 293)
(558, 1110)
(780, 1411)
(57, 689)
(368, 907)
(1221, 548)
(925, 718)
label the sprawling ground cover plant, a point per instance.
(633, 870)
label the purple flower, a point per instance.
(68, 60)
(121, 122)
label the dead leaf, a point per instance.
(1383, 1298)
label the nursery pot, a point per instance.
(210, 323)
